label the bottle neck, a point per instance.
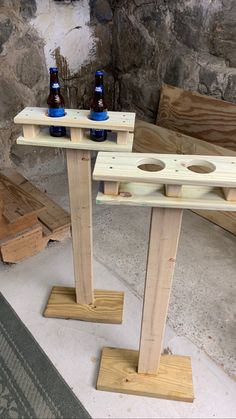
(54, 83)
(99, 81)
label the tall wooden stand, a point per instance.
(175, 185)
(81, 302)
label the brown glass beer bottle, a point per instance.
(98, 109)
(56, 104)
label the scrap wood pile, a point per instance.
(191, 123)
(28, 218)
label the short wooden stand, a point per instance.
(168, 190)
(82, 302)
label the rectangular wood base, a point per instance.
(118, 373)
(106, 308)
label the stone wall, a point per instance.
(76, 36)
(186, 43)
(140, 44)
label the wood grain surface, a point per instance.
(118, 373)
(16, 202)
(199, 116)
(106, 308)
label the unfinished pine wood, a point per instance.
(31, 131)
(107, 306)
(173, 190)
(150, 138)
(74, 118)
(8, 230)
(16, 202)
(230, 194)
(79, 179)
(45, 140)
(176, 169)
(118, 373)
(76, 134)
(151, 195)
(111, 188)
(55, 218)
(122, 137)
(163, 243)
(24, 244)
(200, 116)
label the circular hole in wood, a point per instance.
(151, 165)
(201, 166)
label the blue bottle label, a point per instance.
(99, 89)
(99, 116)
(55, 86)
(56, 112)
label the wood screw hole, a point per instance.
(110, 167)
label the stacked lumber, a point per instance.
(28, 218)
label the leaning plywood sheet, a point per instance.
(200, 116)
(149, 138)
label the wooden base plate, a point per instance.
(118, 373)
(107, 306)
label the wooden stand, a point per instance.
(168, 190)
(82, 303)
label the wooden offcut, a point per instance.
(107, 306)
(118, 373)
(16, 202)
(30, 229)
(199, 116)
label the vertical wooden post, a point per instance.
(79, 179)
(163, 243)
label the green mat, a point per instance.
(30, 386)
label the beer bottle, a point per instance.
(98, 109)
(56, 104)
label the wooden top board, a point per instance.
(198, 115)
(76, 118)
(174, 169)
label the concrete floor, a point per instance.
(202, 313)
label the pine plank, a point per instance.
(8, 230)
(107, 306)
(118, 373)
(163, 243)
(199, 116)
(79, 179)
(16, 202)
(22, 245)
(43, 139)
(175, 171)
(150, 195)
(52, 215)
